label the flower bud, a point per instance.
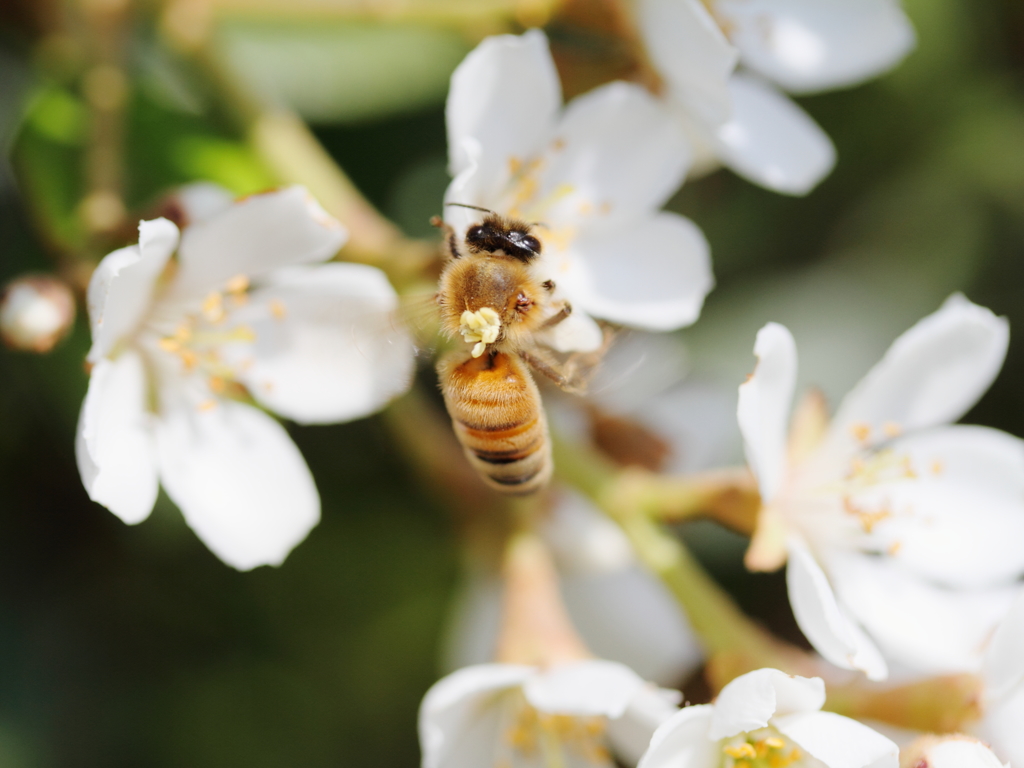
(36, 311)
(951, 751)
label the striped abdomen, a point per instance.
(498, 418)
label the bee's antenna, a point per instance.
(474, 207)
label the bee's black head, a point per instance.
(510, 236)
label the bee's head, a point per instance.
(498, 234)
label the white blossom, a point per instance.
(591, 176)
(179, 346)
(742, 118)
(574, 714)
(767, 718)
(901, 531)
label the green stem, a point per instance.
(733, 640)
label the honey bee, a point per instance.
(490, 296)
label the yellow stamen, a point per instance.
(740, 750)
(213, 307)
(278, 309)
(861, 431)
(207, 405)
(237, 284)
(892, 429)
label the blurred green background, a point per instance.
(136, 647)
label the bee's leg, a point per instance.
(451, 241)
(563, 375)
(558, 317)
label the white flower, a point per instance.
(591, 175)
(514, 716)
(767, 718)
(621, 611)
(897, 525)
(804, 46)
(177, 345)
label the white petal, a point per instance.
(931, 374)
(1001, 728)
(771, 141)
(838, 741)
(683, 741)
(751, 700)
(960, 752)
(253, 237)
(630, 735)
(459, 717)
(653, 275)
(617, 153)
(505, 96)
(764, 403)
(114, 445)
(959, 519)
(925, 627)
(1004, 659)
(328, 343)
(121, 288)
(203, 200)
(813, 45)
(691, 53)
(606, 608)
(239, 480)
(823, 621)
(585, 688)
(584, 541)
(577, 333)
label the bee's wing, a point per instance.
(414, 323)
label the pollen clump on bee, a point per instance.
(481, 327)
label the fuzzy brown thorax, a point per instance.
(497, 282)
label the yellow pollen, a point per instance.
(514, 165)
(183, 333)
(558, 144)
(278, 309)
(237, 284)
(213, 307)
(861, 431)
(938, 467)
(740, 750)
(188, 358)
(774, 743)
(892, 429)
(169, 344)
(217, 384)
(894, 548)
(481, 327)
(207, 405)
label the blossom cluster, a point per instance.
(899, 530)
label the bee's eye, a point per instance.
(531, 242)
(476, 233)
